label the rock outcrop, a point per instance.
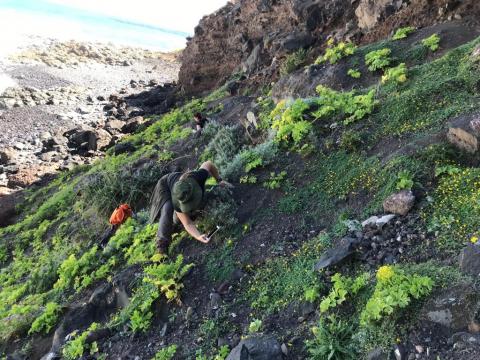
(253, 36)
(247, 35)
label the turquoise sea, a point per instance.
(87, 25)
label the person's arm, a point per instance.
(189, 225)
(213, 171)
(199, 128)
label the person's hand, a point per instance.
(204, 239)
(226, 184)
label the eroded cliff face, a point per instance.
(252, 36)
(247, 36)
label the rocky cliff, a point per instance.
(253, 36)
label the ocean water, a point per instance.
(20, 18)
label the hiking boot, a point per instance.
(162, 246)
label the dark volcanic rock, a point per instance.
(470, 260)
(337, 254)
(454, 308)
(257, 348)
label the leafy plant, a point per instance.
(432, 42)
(166, 353)
(248, 179)
(345, 104)
(251, 159)
(334, 53)
(447, 170)
(312, 294)
(275, 180)
(333, 340)
(343, 286)
(354, 73)
(159, 279)
(404, 180)
(48, 319)
(394, 290)
(378, 59)
(255, 326)
(75, 348)
(293, 61)
(288, 120)
(403, 33)
(396, 74)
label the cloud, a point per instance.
(179, 15)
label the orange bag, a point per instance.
(120, 214)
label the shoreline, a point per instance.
(49, 89)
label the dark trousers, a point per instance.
(166, 226)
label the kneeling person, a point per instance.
(180, 194)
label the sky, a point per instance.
(155, 24)
(179, 15)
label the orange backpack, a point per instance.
(120, 214)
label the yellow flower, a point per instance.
(474, 239)
(384, 273)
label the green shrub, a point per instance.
(159, 279)
(293, 61)
(275, 180)
(404, 180)
(166, 353)
(312, 294)
(74, 349)
(394, 290)
(432, 42)
(333, 340)
(403, 33)
(48, 319)
(288, 120)
(346, 105)
(223, 147)
(248, 179)
(354, 73)
(334, 53)
(244, 160)
(378, 59)
(343, 286)
(351, 141)
(396, 74)
(255, 326)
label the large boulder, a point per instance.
(463, 140)
(133, 124)
(370, 12)
(454, 307)
(463, 133)
(399, 203)
(469, 260)
(257, 348)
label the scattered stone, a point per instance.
(399, 203)
(257, 348)
(284, 349)
(7, 156)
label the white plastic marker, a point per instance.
(209, 236)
